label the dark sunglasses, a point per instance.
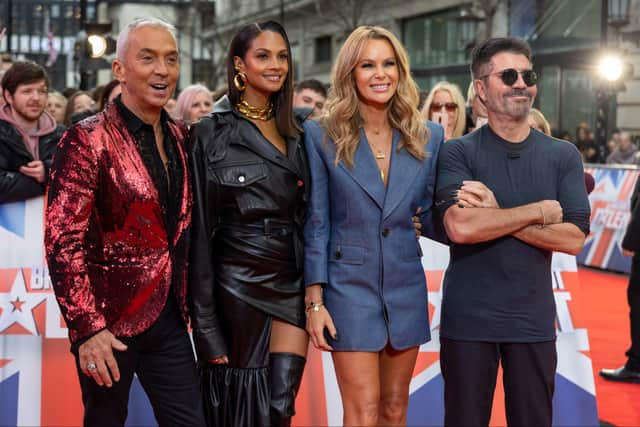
(510, 76)
(449, 106)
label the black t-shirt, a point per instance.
(501, 290)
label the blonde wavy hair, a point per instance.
(540, 121)
(341, 119)
(456, 96)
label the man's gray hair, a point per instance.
(123, 37)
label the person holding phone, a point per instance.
(445, 106)
(372, 162)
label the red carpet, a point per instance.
(603, 310)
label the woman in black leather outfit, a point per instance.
(250, 184)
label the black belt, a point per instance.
(268, 227)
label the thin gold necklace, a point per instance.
(378, 153)
(255, 113)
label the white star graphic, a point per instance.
(17, 306)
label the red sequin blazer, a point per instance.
(111, 262)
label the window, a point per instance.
(434, 39)
(322, 49)
(556, 24)
(202, 71)
(207, 14)
(566, 96)
(460, 79)
(295, 60)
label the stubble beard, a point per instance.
(26, 116)
(517, 110)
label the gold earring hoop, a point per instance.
(240, 81)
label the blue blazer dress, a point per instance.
(361, 245)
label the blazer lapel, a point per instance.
(403, 170)
(365, 171)
(128, 151)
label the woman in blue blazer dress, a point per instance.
(372, 163)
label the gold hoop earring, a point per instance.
(240, 81)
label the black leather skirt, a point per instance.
(258, 278)
(238, 394)
(258, 263)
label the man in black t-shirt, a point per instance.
(509, 196)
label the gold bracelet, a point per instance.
(314, 306)
(544, 218)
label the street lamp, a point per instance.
(618, 13)
(468, 20)
(91, 47)
(612, 71)
(98, 45)
(611, 67)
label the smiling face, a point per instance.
(376, 73)
(509, 101)
(149, 71)
(266, 65)
(28, 101)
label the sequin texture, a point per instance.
(110, 259)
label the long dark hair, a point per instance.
(283, 99)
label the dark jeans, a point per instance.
(470, 370)
(163, 359)
(633, 298)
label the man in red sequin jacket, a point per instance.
(117, 240)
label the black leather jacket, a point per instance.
(249, 210)
(15, 186)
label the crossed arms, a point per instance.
(477, 217)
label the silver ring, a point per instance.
(91, 366)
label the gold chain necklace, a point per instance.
(379, 154)
(255, 113)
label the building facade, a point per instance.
(566, 36)
(188, 16)
(46, 31)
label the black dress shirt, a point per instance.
(146, 142)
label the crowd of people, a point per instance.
(271, 214)
(443, 104)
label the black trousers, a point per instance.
(633, 298)
(470, 370)
(163, 359)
